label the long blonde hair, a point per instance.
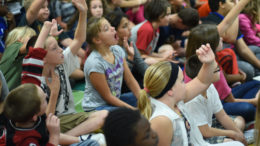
(257, 124)
(252, 9)
(155, 79)
(18, 34)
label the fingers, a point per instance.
(52, 120)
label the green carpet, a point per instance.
(78, 96)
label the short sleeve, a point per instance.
(94, 64)
(71, 61)
(216, 104)
(197, 111)
(144, 38)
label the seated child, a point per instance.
(204, 106)
(64, 63)
(146, 34)
(104, 70)
(126, 127)
(25, 120)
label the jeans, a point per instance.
(244, 91)
(128, 98)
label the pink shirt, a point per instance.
(222, 87)
(250, 33)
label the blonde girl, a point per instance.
(163, 83)
(104, 70)
(11, 62)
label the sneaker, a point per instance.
(249, 136)
(99, 137)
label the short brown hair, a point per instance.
(22, 103)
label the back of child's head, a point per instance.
(22, 103)
(201, 35)
(115, 17)
(94, 27)
(156, 9)
(189, 17)
(155, 80)
(119, 127)
(18, 34)
(214, 4)
(192, 66)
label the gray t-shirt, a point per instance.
(113, 73)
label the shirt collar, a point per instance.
(219, 15)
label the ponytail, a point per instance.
(144, 104)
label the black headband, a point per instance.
(172, 80)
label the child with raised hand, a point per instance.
(25, 120)
(64, 63)
(163, 83)
(105, 68)
(146, 34)
(204, 106)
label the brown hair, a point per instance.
(22, 103)
(201, 35)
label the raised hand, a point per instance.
(205, 54)
(54, 29)
(129, 49)
(80, 5)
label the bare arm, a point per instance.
(246, 53)
(130, 80)
(231, 16)
(43, 35)
(80, 33)
(131, 3)
(204, 78)
(163, 127)
(228, 124)
(99, 82)
(32, 12)
(208, 132)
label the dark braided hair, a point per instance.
(119, 127)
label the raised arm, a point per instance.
(32, 12)
(205, 76)
(80, 33)
(43, 34)
(231, 16)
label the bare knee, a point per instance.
(240, 122)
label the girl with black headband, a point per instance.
(163, 82)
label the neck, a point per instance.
(47, 68)
(169, 101)
(155, 26)
(28, 124)
(173, 19)
(221, 12)
(204, 94)
(103, 50)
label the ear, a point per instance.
(170, 92)
(96, 40)
(179, 20)
(35, 117)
